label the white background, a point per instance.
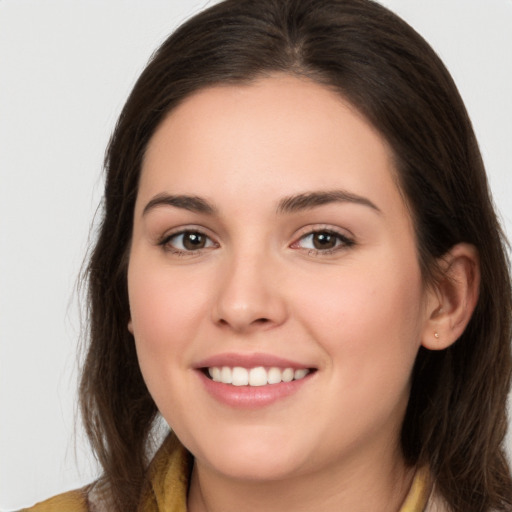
(66, 67)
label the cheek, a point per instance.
(164, 310)
(369, 315)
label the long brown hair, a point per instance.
(456, 418)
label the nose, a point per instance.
(249, 296)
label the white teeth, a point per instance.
(239, 376)
(288, 375)
(258, 376)
(274, 376)
(226, 375)
(300, 374)
(215, 374)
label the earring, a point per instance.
(436, 335)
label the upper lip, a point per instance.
(250, 361)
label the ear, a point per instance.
(452, 300)
(130, 326)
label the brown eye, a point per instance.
(193, 240)
(324, 240)
(187, 241)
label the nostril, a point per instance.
(261, 321)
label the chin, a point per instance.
(257, 469)
(252, 459)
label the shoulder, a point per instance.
(167, 483)
(72, 501)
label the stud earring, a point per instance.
(436, 335)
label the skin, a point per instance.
(356, 313)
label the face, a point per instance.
(276, 299)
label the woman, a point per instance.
(300, 269)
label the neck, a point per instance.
(380, 485)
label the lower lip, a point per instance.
(251, 397)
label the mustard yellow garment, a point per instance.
(73, 501)
(168, 484)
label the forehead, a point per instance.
(277, 136)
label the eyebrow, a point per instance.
(289, 204)
(310, 200)
(192, 203)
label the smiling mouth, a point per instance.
(257, 376)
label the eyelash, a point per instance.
(342, 242)
(165, 242)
